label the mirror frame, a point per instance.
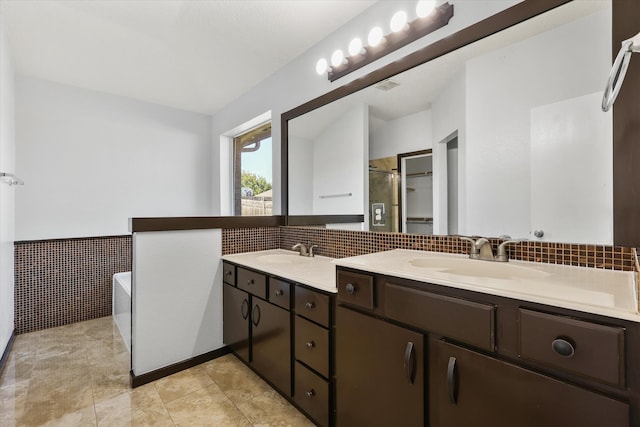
(626, 120)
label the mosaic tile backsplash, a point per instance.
(58, 282)
(341, 243)
(238, 240)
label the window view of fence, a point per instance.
(252, 173)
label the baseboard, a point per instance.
(138, 380)
(7, 350)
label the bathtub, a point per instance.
(121, 304)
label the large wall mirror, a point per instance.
(504, 136)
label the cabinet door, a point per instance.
(379, 372)
(271, 339)
(235, 326)
(467, 388)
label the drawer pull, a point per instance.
(309, 305)
(409, 362)
(452, 380)
(250, 282)
(310, 345)
(563, 346)
(311, 393)
(229, 273)
(279, 292)
(350, 288)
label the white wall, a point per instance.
(502, 89)
(298, 82)
(402, 135)
(336, 169)
(92, 160)
(449, 115)
(177, 297)
(300, 176)
(7, 193)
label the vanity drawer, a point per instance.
(356, 289)
(280, 293)
(466, 321)
(312, 345)
(252, 282)
(312, 394)
(229, 273)
(312, 305)
(583, 348)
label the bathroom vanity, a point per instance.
(422, 338)
(435, 352)
(279, 319)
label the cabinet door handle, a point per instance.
(409, 362)
(452, 380)
(310, 345)
(309, 305)
(279, 292)
(350, 288)
(244, 309)
(311, 393)
(563, 346)
(255, 317)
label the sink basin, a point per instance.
(283, 259)
(477, 268)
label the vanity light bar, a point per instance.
(380, 45)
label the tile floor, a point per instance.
(78, 375)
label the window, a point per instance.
(252, 177)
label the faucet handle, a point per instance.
(502, 250)
(475, 250)
(311, 247)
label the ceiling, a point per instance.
(196, 55)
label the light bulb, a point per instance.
(375, 36)
(337, 57)
(355, 47)
(321, 66)
(425, 7)
(398, 21)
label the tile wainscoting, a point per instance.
(63, 281)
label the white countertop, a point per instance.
(605, 292)
(318, 271)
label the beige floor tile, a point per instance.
(78, 375)
(235, 379)
(138, 407)
(12, 399)
(80, 418)
(271, 409)
(49, 399)
(206, 407)
(178, 385)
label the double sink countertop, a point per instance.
(605, 292)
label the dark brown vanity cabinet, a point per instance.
(379, 372)
(313, 351)
(485, 360)
(256, 330)
(468, 388)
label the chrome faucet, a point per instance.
(302, 247)
(481, 249)
(305, 250)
